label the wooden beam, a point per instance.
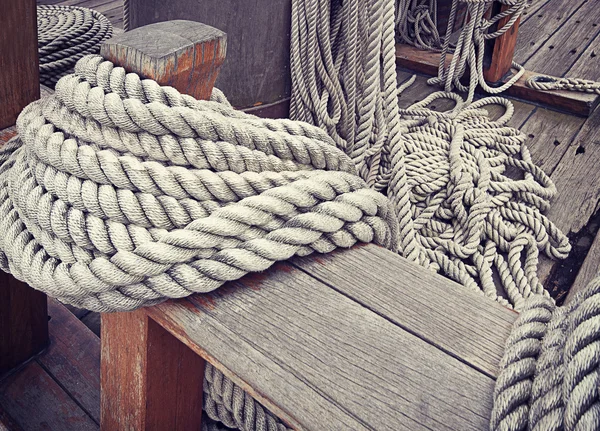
(501, 50)
(19, 64)
(572, 102)
(149, 379)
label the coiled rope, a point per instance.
(119, 193)
(66, 34)
(468, 198)
(550, 372)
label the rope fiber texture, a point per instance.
(550, 373)
(468, 198)
(66, 34)
(119, 193)
(541, 82)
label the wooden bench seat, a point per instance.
(322, 342)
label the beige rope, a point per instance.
(548, 83)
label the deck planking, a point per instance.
(554, 142)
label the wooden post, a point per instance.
(23, 322)
(19, 64)
(149, 379)
(500, 51)
(23, 311)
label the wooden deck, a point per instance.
(59, 390)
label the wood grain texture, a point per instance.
(572, 102)
(23, 322)
(587, 272)
(577, 178)
(258, 34)
(73, 358)
(500, 51)
(541, 23)
(37, 402)
(313, 356)
(183, 54)
(559, 52)
(463, 323)
(550, 134)
(19, 73)
(149, 379)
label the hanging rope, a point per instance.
(417, 24)
(66, 34)
(468, 55)
(468, 198)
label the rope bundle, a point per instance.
(120, 193)
(549, 378)
(467, 196)
(66, 34)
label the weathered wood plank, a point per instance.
(589, 269)
(92, 321)
(576, 177)
(550, 135)
(313, 356)
(19, 73)
(73, 358)
(183, 54)
(36, 402)
(463, 323)
(150, 380)
(572, 102)
(559, 52)
(541, 24)
(7, 423)
(588, 64)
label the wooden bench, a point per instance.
(322, 342)
(327, 341)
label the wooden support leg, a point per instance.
(19, 73)
(23, 322)
(149, 379)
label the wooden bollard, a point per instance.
(186, 55)
(149, 379)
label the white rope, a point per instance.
(548, 83)
(66, 34)
(468, 55)
(468, 198)
(119, 193)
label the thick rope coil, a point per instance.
(119, 193)
(66, 34)
(467, 196)
(550, 374)
(547, 83)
